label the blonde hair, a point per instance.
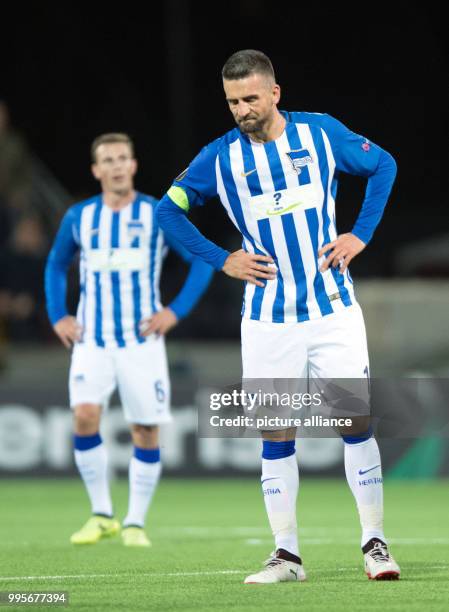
(110, 138)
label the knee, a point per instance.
(87, 419)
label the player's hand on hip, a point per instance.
(68, 330)
(249, 267)
(340, 252)
(160, 323)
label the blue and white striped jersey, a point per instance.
(121, 255)
(281, 197)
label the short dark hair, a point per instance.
(110, 138)
(244, 63)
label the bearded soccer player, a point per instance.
(276, 175)
(118, 332)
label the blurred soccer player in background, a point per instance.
(118, 332)
(276, 175)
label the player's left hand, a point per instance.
(342, 251)
(160, 323)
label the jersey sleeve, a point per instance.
(193, 187)
(355, 154)
(172, 218)
(64, 248)
(198, 183)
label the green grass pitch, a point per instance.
(207, 535)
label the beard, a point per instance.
(251, 126)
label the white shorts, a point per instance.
(333, 346)
(139, 371)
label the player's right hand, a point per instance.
(246, 266)
(68, 330)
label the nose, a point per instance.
(242, 109)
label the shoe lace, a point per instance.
(273, 562)
(379, 552)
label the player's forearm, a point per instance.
(174, 222)
(377, 192)
(55, 290)
(196, 283)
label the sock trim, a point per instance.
(83, 443)
(361, 437)
(278, 450)
(147, 455)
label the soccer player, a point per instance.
(118, 332)
(276, 175)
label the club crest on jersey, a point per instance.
(135, 228)
(299, 159)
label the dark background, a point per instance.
(71, 71)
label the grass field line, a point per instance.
(148, 575)
(184, 574)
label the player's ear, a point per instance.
(276, 93)
(135, 166)
(94, 169)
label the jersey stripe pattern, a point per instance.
(121, 255)
(252, 181)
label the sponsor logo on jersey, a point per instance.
(299, 159)
(280, 210)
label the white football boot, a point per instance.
(280, 567)
(379, 564)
